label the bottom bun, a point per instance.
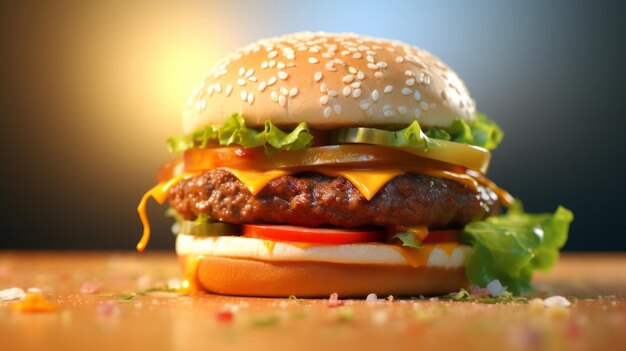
(249, 277)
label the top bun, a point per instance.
(328, 81)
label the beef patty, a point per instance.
(312, 199)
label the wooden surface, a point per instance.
(596, 284)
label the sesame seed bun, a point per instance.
(244, 266)
(330, 80)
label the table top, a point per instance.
(107, 300)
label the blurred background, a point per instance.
(89, 91)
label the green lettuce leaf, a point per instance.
(481, 132)
(510, 247)
(234, 131)
(407, 239)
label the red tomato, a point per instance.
(334, 236)
(442, 236)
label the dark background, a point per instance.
(90, 91)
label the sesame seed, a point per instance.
(274, 96)
(242, 70)
(370, 52)
(293, 92)
(332, 93)
(381, 64)
(388, 113)
(218, 88)
(330, 65)
(241, 82)
(417, 112)
(388, 89)
(418, 95)
(272, 63)
(399, 59)
(409, 73)
(262, 86)
(271, 81)
(410, 82)
(357, 55)
(243, 95)
(282, 75)
(370, 58)
(327, 112)
(352, 70)
(317, 76)
(355, 85)
(406, 91)
(313, 60)
(339, 62)
(229, 89)
(250, 98)
(346, 91)
(291, 64)
(345, 53)
(280, 65)
(424, 105)
(284, 91)
(323, 88)
(289, 56)
(252, 79)
(426, 80)
(324, 99)
(360, 75)
(378, 75)
(348, 78)
(249, 73)
(337, 109)
(356, 93)
(372, 66)
(364, 105)
(375, 95)
(282, 100)
(272, 54)
(402, 110)
(326, 55)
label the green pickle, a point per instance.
(208, 228)
(364, 136)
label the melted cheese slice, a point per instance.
(159, 193)
(368, 182)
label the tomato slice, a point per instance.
(331, 236)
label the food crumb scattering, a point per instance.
(333, 300)
(34, 302)
(12, 294)
(495, 288)
(556, 301)
(371, 298)
(90, 288)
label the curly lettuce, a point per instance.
(234, 131)
(481, 132)
(510, 247)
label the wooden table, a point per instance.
(139, 319)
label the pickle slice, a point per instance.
(470, 156)
(208, 228)
(364, 136)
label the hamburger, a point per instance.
(317, 163)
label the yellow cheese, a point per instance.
(419, 257)
(255, 181)
(190, 284)
(368, 182)
(159, 193)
